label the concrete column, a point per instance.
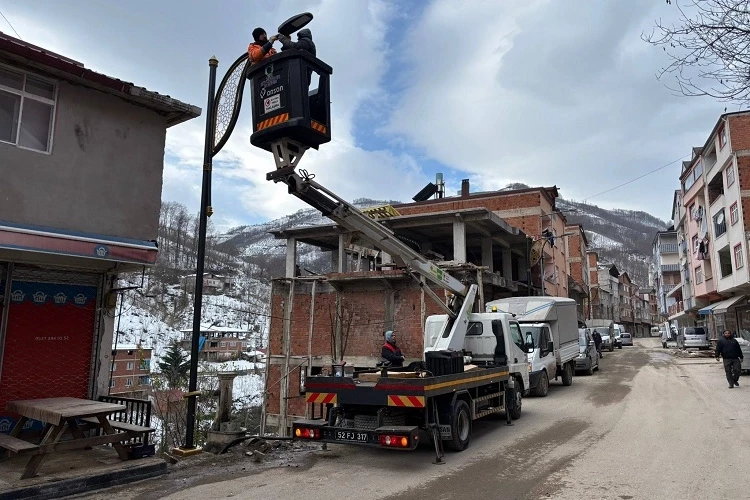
(487, 254)
(459, 241)
(341, 256)
(224, 410)
(523, 270)
(291, 257)
(507, 264)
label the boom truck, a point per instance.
(474, 363)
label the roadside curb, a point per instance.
(77, 485)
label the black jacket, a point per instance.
(392, 354)
(728, 348)
(596, 337)
(305, 42)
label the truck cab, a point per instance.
(541, 355)
(492, 339)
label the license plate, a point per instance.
(359, 437)
(445, 432)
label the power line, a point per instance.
(11, 26)
(637, 178)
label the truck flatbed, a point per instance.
(392, 411)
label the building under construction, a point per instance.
(319, 320)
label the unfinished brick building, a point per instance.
(341, 316)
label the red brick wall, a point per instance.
(499, 202)
(593, 260)
(739, 132)
(743, 175)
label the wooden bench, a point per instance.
(120, 426)
(16, 445)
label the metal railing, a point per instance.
(668, 248)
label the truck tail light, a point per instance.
(391, 441)
(304, 433)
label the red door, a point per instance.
(48, 343)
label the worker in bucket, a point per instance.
(391, 352)
(261, 47)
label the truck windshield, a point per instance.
(535, 332)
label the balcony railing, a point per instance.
(666, 268)
(668, 248)
(676, 308)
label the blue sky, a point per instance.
(540, 92)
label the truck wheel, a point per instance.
(567, 375)
(542, 388)
(460, 426)
(513, 401)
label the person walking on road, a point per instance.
(728, 348)
(597, 342)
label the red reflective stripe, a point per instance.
(415, 401)
(329, 398)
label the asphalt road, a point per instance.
(646, 426)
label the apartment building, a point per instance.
(130, 371)
(665, 271)
(222, 343)
(576, 246)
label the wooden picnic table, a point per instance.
(59, 415)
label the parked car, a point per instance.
(626, 339)
(618, 332)
(693, 336)
(655, 331)
(588, 357)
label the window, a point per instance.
(244, 344)
(720, 223)
(475, 328)
(222, 344)
(730, 175)
(698, 170)
(699, 275)
(114, 366)
(725, 262)
(27, 105)
(233, 344)
(130, 366)
(145, 364)
(112, 383)
(722, 137)
(144, 380)
(515, 334)
(738, 261)
(128, 382)
(734, 213)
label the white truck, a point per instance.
(551, 325)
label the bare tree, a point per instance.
(707, 48)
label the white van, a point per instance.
(655, 331)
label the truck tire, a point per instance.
(513, 400)
(567, 375)
(460, 426)
(542, 388)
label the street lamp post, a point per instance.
(547, 239)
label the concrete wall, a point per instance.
(104, 174)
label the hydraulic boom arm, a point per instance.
(348, 216)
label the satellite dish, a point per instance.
(295, 23)
(535, 254)
(720, 218)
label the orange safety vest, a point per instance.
(255, 52)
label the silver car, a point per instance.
(626, 339)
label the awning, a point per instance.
(705, 311)
(721, 307)
(91, 247)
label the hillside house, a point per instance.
(342, 315)
(213, 284)
(222, 343)
(81, 157)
